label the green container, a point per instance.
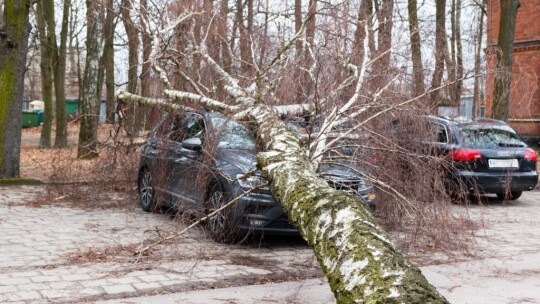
(30, 119)
(39, 117)
(72, 108)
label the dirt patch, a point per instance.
(119, 195)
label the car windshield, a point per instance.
(232, 135)
(482, 136)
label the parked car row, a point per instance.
(198, 161)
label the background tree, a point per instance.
(47, 36)
(14, 31)
(416, 49)
(59, 66)
(503, 76)
(88, 141)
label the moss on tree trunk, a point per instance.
(13, 49)
(360, 262)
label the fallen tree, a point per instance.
(358, 258)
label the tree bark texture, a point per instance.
(503, 76)
(108, 60)
(478, 60)
(416, 49)
(60, 139)
(47, 37)
(440, 46)
(133, 61)
(385, 16)
(359, 260)
(14, 33)
(90, 99)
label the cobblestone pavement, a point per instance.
(60, 253)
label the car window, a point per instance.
(482, 136)
(232, 135)
(441, 133)
(194, 126)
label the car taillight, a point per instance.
(530, 155)
(465, 154)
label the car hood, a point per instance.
(340, 171)
(233, 162)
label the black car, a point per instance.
(487, 156)
(198, 161)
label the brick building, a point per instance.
(524, 115)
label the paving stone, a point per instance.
(147, 286)
(23, 296)
(118, 289)
(16, 281)
(154, 278)
(8, 289)
(76, 277)
(42, 279)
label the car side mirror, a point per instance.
(193, 143)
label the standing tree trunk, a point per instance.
(441, 49)
(385, 16)
(47, 36)
(90, 99)
(297, 26)
(60, 139)
(14, 31)
(416, 50)
(503, 77)
(478, 60)
(364, 15)
(145, 113)
(108, 60)
(133, 61)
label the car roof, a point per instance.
(462, 120)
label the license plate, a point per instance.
(503, 163)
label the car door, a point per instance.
(185, 161)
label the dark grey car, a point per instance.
(197, 162)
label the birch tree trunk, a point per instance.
(90, 99)
(503, 77)
(14, 30)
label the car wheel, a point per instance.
(514, 195)
(222, 225)
(147, 197)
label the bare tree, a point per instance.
(47, 36)
(416, 49)
(108, 60)
(14, 31)
(88, 141)
(60, 139)
(503, 77)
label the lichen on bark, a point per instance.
(360, 262)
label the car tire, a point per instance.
(514, 195)
(222, 227)
(147, 192)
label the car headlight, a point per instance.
(251, 181)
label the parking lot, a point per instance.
(61, 252)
